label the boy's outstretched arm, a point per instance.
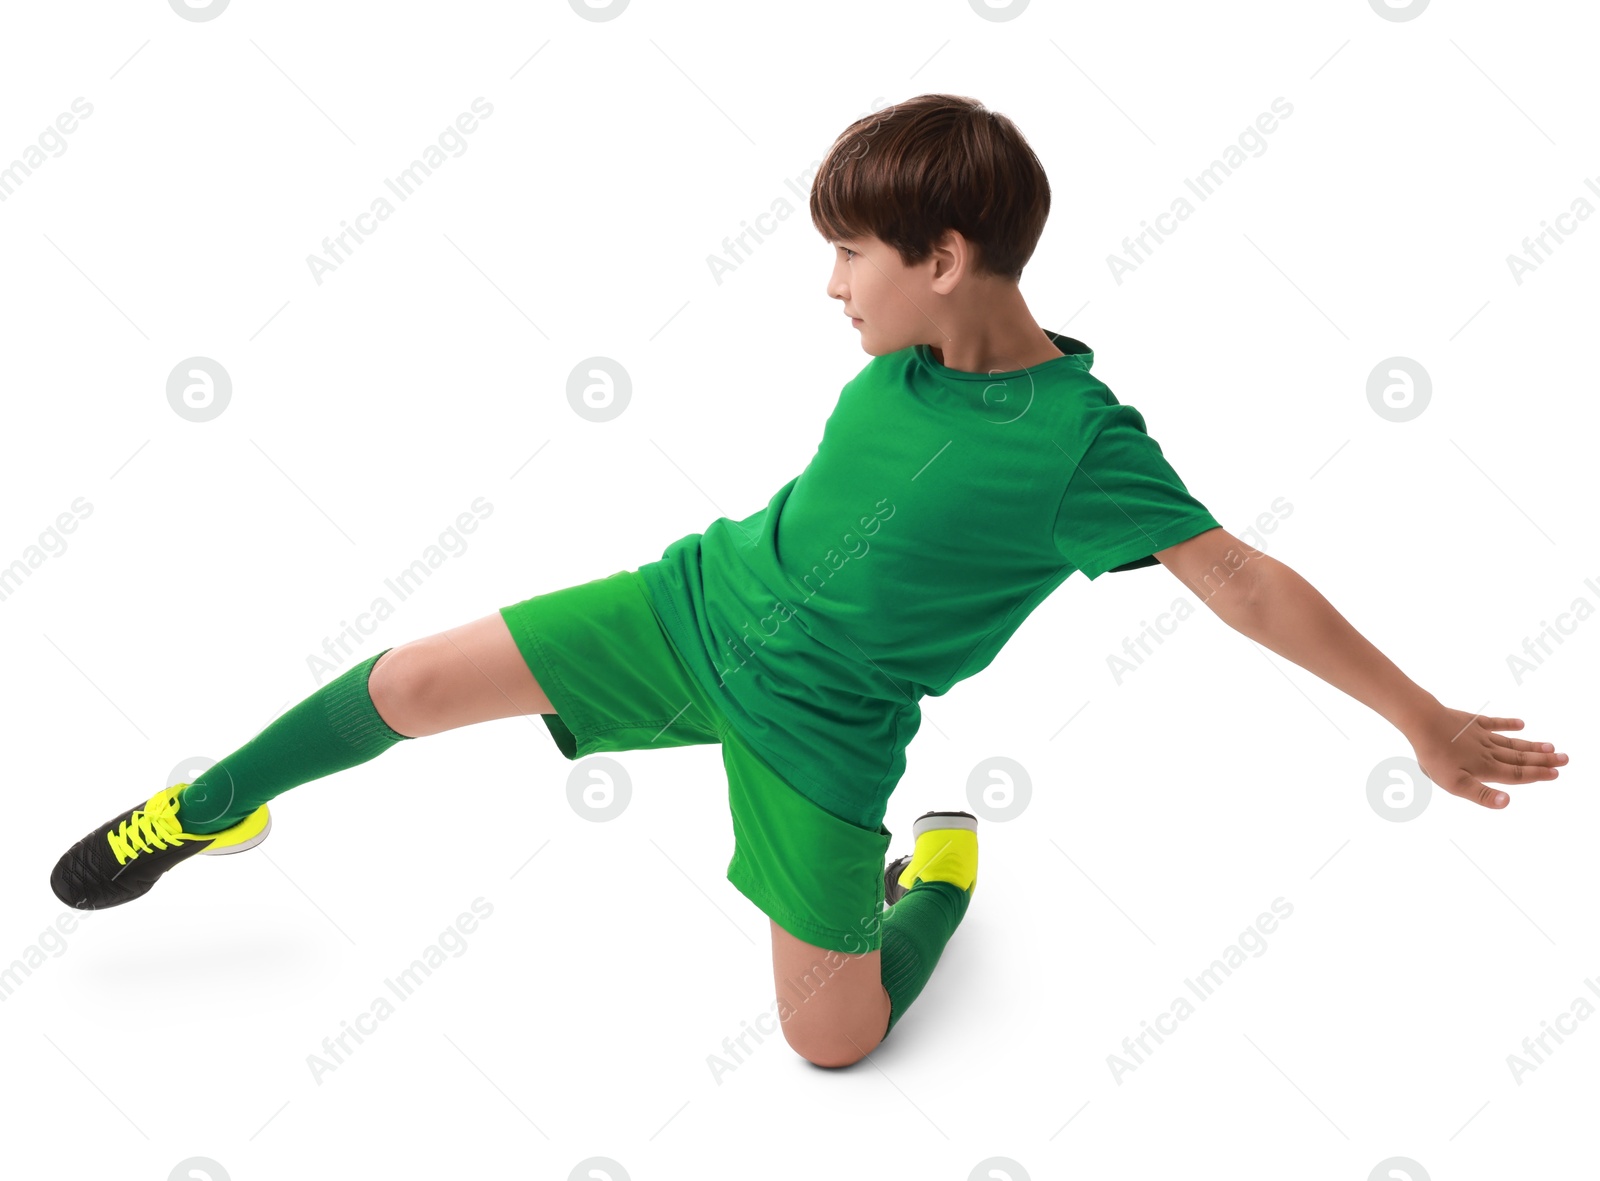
(1261, 598)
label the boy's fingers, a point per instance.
(1501, 723)
(1501, 772)
(1469, 788)
(1534, 750)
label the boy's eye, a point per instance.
(850, 253)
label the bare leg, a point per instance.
(472, 673)
(840, 1009)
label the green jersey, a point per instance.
(940, 508)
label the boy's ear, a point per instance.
(1212, 560)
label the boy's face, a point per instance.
(883, 293)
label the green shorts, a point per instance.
(601, 655)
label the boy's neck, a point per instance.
(985, 326)
(981, 353)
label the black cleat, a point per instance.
(120, 861)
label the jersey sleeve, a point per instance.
(1123, 500)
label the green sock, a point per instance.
(335, 728)
(915, 930)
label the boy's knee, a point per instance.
(826, 1042)
(833, 1005)
(401, 685)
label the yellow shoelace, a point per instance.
(147, 829)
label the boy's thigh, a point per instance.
(612, 677)
(816, 874)
(819, 880)
(833, 1006)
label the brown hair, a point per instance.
(911, 171)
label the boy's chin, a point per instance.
(872, 346)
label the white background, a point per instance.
(369, 410)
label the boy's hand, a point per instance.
(1461, 752)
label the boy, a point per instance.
(964, 474)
